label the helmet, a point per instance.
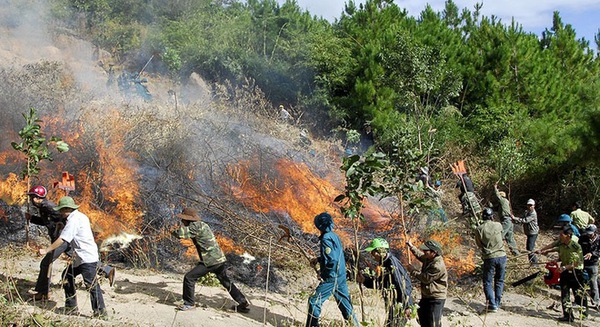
(38, 191)
(438, 183)
(487, 213)
(564, 218)
(378, 243)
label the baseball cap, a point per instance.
(431, 245)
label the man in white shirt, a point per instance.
(78, 233)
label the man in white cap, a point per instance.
(78, 232)
(531, 228)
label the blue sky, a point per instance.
(533, 15)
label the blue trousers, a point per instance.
(493, 280)
(339, 289)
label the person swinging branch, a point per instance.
(392, 279)
(212, 260)
(78, 233)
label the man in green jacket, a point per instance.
(488, 237)
(571, 273)
(212, 260)
(581, 218)
(505, 214)
(434, 282)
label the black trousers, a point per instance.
(42, 285)
(572, 281)
(430, 312)
(88, 271)
(190, 279)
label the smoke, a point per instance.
(116, 242)
(29, 35)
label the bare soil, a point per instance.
(149, 298)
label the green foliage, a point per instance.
(508, 158)
(209, 279)
(35, 145)
(361, 181)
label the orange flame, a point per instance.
(12, 190)
(291, 188)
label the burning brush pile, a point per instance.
(137, 164)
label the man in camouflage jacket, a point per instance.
(212, 260)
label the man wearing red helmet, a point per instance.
(54, 222)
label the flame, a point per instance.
(117, 181)
(13, 191)
(227, 244)
(289, 187)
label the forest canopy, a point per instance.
(452, 84)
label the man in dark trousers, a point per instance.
(531, 229)
(392, 279)
(78, 233)
(571, 274)
(212, 260)
(434, 282)
(488, 237)
(332, 274)
(54, 222)
(590, 245)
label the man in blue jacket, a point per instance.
(332, 273)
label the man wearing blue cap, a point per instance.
(332, 273)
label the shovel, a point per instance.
(459, 169)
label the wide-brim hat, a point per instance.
(432, 245)
(189, 215)
(66, 202)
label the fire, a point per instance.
(288, 187)
(12, 190)
(116, 182)
(227, 244)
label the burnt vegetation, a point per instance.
(213, 136)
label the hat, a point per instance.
(530, 201)
(502, 194)
(189, 214)
(377, 243)
(591, 229)
(66, 202)
(564, 218)
(432, 245)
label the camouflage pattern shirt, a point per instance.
(206, 244)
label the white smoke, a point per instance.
(116, 242)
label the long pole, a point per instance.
(28, 206)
